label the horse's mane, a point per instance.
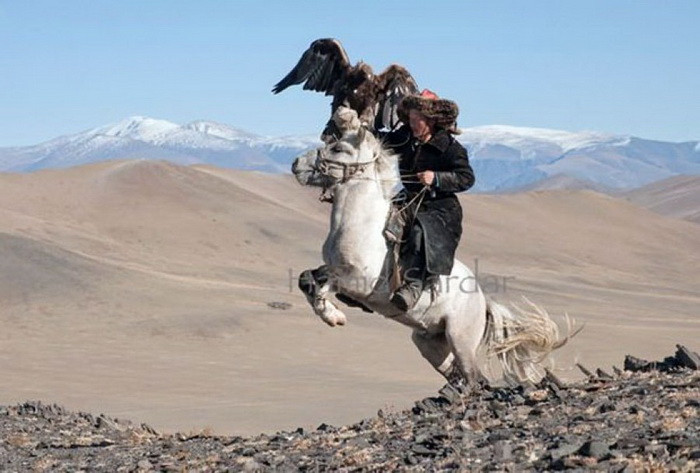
(387, 168)
(387, 164)
(387, 159)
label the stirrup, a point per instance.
(403, 293)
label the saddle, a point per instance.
(394, 234)
(400, 216)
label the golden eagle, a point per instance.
(325, 67)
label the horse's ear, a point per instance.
(362, 133)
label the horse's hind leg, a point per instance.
(436, 349)
(464, 335)
(316, 285)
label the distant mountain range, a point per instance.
(148, 138)
(510, 157)
(503, 157)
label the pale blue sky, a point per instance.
(628, 67)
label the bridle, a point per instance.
(338, 172)
(326, 166)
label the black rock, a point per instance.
(485, 430)
(602, 374)
(499, 435)
(359, 442)
(450, 393)
(636, 364)
(503, 451)
(423, 450)
(607, 407)
(279, 305)
(687, 358)
(595, 449)
(657, 450)
(632, 443)
(584, 370)
(552, 379)
(623, 468)
(564, 450)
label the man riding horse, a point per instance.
(360, 174)
(434, 166)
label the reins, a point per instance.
(325, 165)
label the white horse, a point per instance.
(451, 325)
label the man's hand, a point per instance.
(426, 177)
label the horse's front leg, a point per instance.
(317, 284)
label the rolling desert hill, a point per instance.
(677, 196)
(140, 289)
(560, 182)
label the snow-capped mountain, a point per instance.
(535, 142)
(503, 157)
(506, 157)
(147, 138)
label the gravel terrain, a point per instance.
(642, 418)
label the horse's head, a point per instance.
(356, 154)
(305, 169)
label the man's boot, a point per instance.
(406, 296)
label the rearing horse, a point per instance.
(450, 325)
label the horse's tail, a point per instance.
(521, 341)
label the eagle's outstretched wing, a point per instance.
(319, 67)
(394, 84)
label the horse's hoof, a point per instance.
(335, 318)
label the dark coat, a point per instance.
(440, 213)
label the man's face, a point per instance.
(420, 126)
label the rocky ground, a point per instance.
(645, 418)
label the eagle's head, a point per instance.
(359, 75)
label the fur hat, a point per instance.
(442, 112)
